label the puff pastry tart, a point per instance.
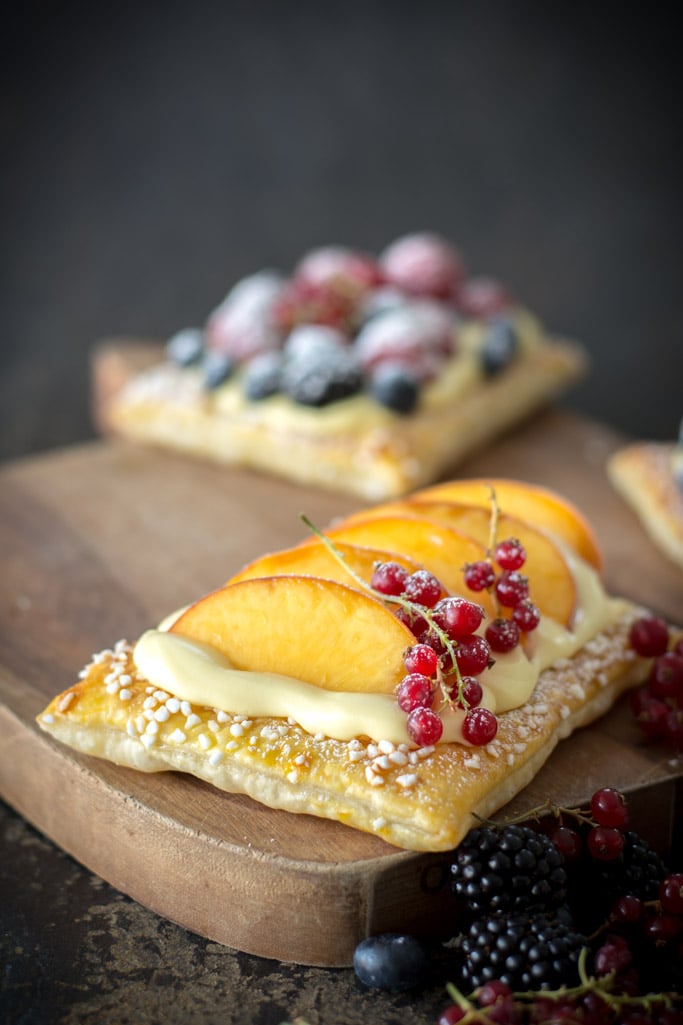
(365, 676)
(649, 475)
(362, 374)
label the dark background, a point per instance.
(153, 153)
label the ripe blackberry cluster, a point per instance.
(573, 920)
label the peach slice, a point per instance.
(316, 560)
(437, 547)
(552, 584)
(315, 630)
(537, 505)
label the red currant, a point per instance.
(414, 691)
(502, 635)
(416, 623)
(424, 726)
(510, 554)
(451, 1015)
(678, 646)
(663, 928)
(567, 841)
(470, 695)
(458, 617)
(628, 908)
(389, 578)
(421, 658)
(526, 616)
(511, 588)
(479, 726)
(605, 843)
(472, 655)
(479, 576)
(671, 893)
(650, 713)
(613, 956)
(492, 991)
(649, 636)
(483, 297)
(608, 808)
(666, 676)
(423, 588)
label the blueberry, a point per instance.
(390, 961)
(396, 387)
(217, 367)
(262, 376)
(499, 346)
(319, 381)
(186, 347)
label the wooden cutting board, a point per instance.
(100, 541)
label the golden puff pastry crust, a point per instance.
(643, 474)
(422, 799)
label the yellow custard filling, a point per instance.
(200, 674)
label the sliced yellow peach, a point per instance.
(315, 630)
(552, 584)
(316, 560)
(441, 549)
(539, 506)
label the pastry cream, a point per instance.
(200, 674)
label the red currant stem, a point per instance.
(603, 987)
(405, 603)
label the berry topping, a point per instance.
(468, 694)
(423, 264)
(414, 691)
(502, 635)
(424, 727)
(511, 588)
(339, 267)
(605, 843)
(479, 576)
(389, 578)
(498, 347)
(303, 302)
(186, 347)
(458, 617)
(473, 655)
(671, 893)
(262, 376)
(217, 367)
(395, 386)
(479, 727)
(318, 369)
(423, 588)
(666, 676)
(510, 554)
(421, 659)
(526, 616)
(243, 325)
(483, 297)
(419, 335)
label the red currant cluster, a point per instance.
(658, 705)
(511, 591)
(447, 659)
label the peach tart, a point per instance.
(403, 671)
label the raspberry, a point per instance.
(423, 264)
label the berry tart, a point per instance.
(406, 669)
(371, 375)
(649, 476)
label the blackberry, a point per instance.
(508, 869)
(595, 885)
(525, 951)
